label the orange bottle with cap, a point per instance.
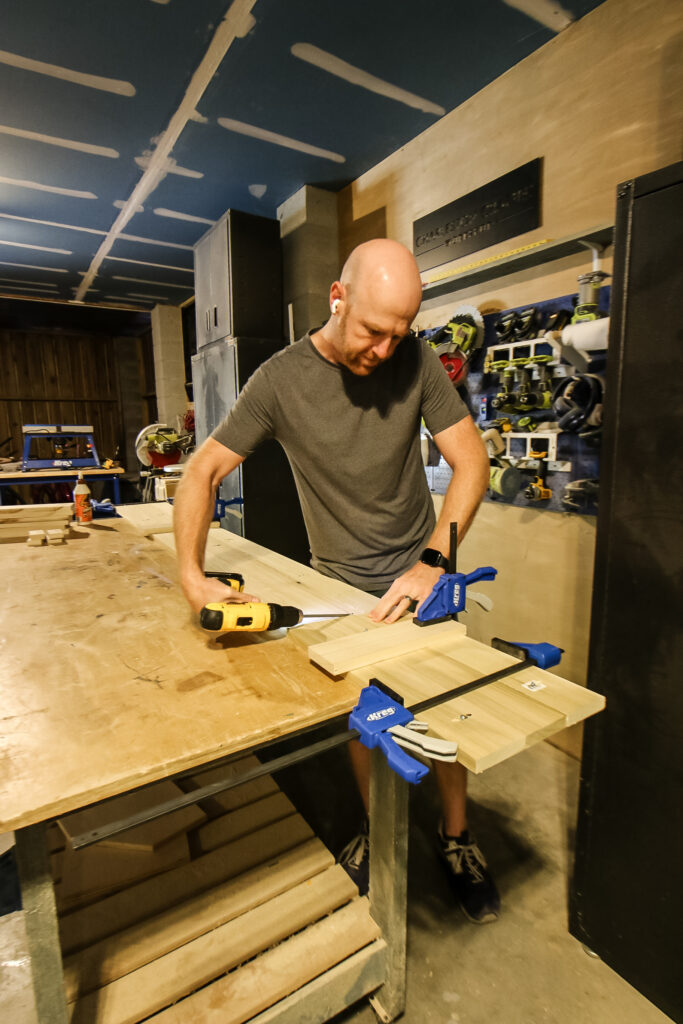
(82, 503)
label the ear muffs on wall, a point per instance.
(577, 401)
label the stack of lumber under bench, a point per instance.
(244, 918)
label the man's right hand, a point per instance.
(210, 591)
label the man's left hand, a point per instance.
(414, 585)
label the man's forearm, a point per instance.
(461, 501)
(192, 514)
(460, 505)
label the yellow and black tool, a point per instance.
(234, 580)
(225, 616)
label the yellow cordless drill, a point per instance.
(227, 616)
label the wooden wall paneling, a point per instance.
(51, 378)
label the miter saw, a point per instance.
(456, 343)
(158, 445)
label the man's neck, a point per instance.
(320, 339)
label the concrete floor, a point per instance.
(524, 969)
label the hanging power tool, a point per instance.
(538, 490)
(456, 343)
(578, 495)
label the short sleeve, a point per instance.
(442, 406)
(250, 421)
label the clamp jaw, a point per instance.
(382, 721)
(449, 595)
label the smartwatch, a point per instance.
(434, 558)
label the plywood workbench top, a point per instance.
(107, 682)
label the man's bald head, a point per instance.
(373, 305)
(384, 272)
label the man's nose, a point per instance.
(383, 348)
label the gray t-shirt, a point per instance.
(354, 446)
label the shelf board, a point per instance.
(434, 294)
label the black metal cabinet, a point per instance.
(238, 279)
(626, 900)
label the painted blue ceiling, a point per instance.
(70, 150)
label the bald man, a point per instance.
(346, 403)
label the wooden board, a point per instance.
(84, 927)
(371, 646)
(490, 724)
(151, 517)
(92, 872)
(126, 951)
(240, 995)
(247, 793)
(17, 521)
(243, 820)
(331, 992)
(133, 997)
(59, 511)
(145, 837)
(270, 576)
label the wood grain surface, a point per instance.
(108, 682)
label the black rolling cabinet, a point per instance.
(626, 899)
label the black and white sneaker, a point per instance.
(475, 889)
(355, 859)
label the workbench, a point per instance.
(62, 476)
(110, 686)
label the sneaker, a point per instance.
(475, 889)
(355, 859)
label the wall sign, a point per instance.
(502, 209)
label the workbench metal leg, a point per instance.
(117, 491)
(40, 916)
(389, 879)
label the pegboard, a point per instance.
(569, 456)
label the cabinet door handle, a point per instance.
(208, 322)
(215, 316)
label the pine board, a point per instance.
(120, 954)
(246, 793)
(57, 512)
(327, 995)
(272, 577)
(150, 988)
(498, 721)
(244, 820)
(145, 899)
(371, 646)
(240, 995)
(145, 837)
(93, 872)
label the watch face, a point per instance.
(430, 556)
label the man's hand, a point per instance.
(210, 591)
(414, 585)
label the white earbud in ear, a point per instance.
(335, 305)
